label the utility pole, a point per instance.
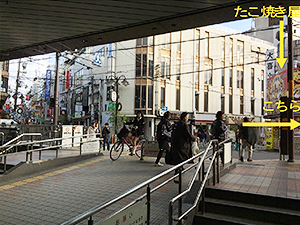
(17, 86)
(56, 91)
(117, 104)
(290, 114)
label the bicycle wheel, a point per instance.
(116, 150)
(139, 148)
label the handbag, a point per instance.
(195, 148)
(237, 146)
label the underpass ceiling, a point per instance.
(32, 27)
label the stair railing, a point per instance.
(205, 175)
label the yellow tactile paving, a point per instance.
(32, 179)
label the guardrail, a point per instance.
(56, 143)
(88, 215)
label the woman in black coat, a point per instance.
(181, 140)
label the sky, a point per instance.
(241, 25)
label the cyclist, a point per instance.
(138, 129)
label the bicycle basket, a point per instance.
(123, 133)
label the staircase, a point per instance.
(233, 207)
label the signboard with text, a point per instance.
(67, 131)
(78, 130)
(134, 215)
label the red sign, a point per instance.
(67, 79)
(27, 97)
(50, 111)
(20, 106)
(7, 106)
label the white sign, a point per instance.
(135, 214)
(67, 131)
(93, 145)
(113, 95)
(78, 130)
(270, 63)
(227, 152)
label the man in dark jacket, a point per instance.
(106, 136)
(181, 140)
(249, 139)
(164, 133)
(218, 129)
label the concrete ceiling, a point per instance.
(34, 27)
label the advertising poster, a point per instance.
(67, 131)
(78, 130)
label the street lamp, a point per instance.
(115, 80)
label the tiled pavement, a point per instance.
(268, 177)
(55, 196)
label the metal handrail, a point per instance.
(88, 214)
(5, 152)
(18, 137)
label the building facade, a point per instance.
(201, 71)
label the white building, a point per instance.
(200, 71)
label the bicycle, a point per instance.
(118, 147)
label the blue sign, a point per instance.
(48, 85)
(98, 55)
(164, 108)
(111, 50)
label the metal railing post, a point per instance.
(148, 204)
(4, 166)
(214, 164)
(80, 146)
(31, 139)
(90, 221)
(40, 152)
(218, 168)
(179, 191)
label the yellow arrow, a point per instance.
(292, 124)
(281, 61)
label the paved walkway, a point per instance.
(56, 196)
(268, 177)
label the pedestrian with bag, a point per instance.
(164, 133)
(219, 129)
(249, 139)
(106, 136)
(181, 141)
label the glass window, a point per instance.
(262, 106)
(150, 40)
(145, 41)
(230, 77)
(167, 40)
(252, 79)
(143, 100)
(178, 69)
(177, 99)
(223, 76)
(262, 80)
(223, 49)
(238, 79)
(205, 101)
(162, 67)
(242, 79)
(222, 103)
(137, 96)
(144, 65)
(150, 96)
(197, 102)
(78, 77)
(162, 96)
(208, 73)
(168, 68)
(230, 50)
(230, 103)
(138, 65)
(139, 42)
(150, 72)
(241, 105)
(252, 106)
(240, 52)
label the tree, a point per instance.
(120, 120)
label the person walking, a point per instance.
(106, 136)
(92, 131)
(249, 139)
(218, 130)
(181, 141)
(164, 133)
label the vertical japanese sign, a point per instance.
(67, 79)
(270, 63)
(48, 85)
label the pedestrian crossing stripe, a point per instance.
(32, 179)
